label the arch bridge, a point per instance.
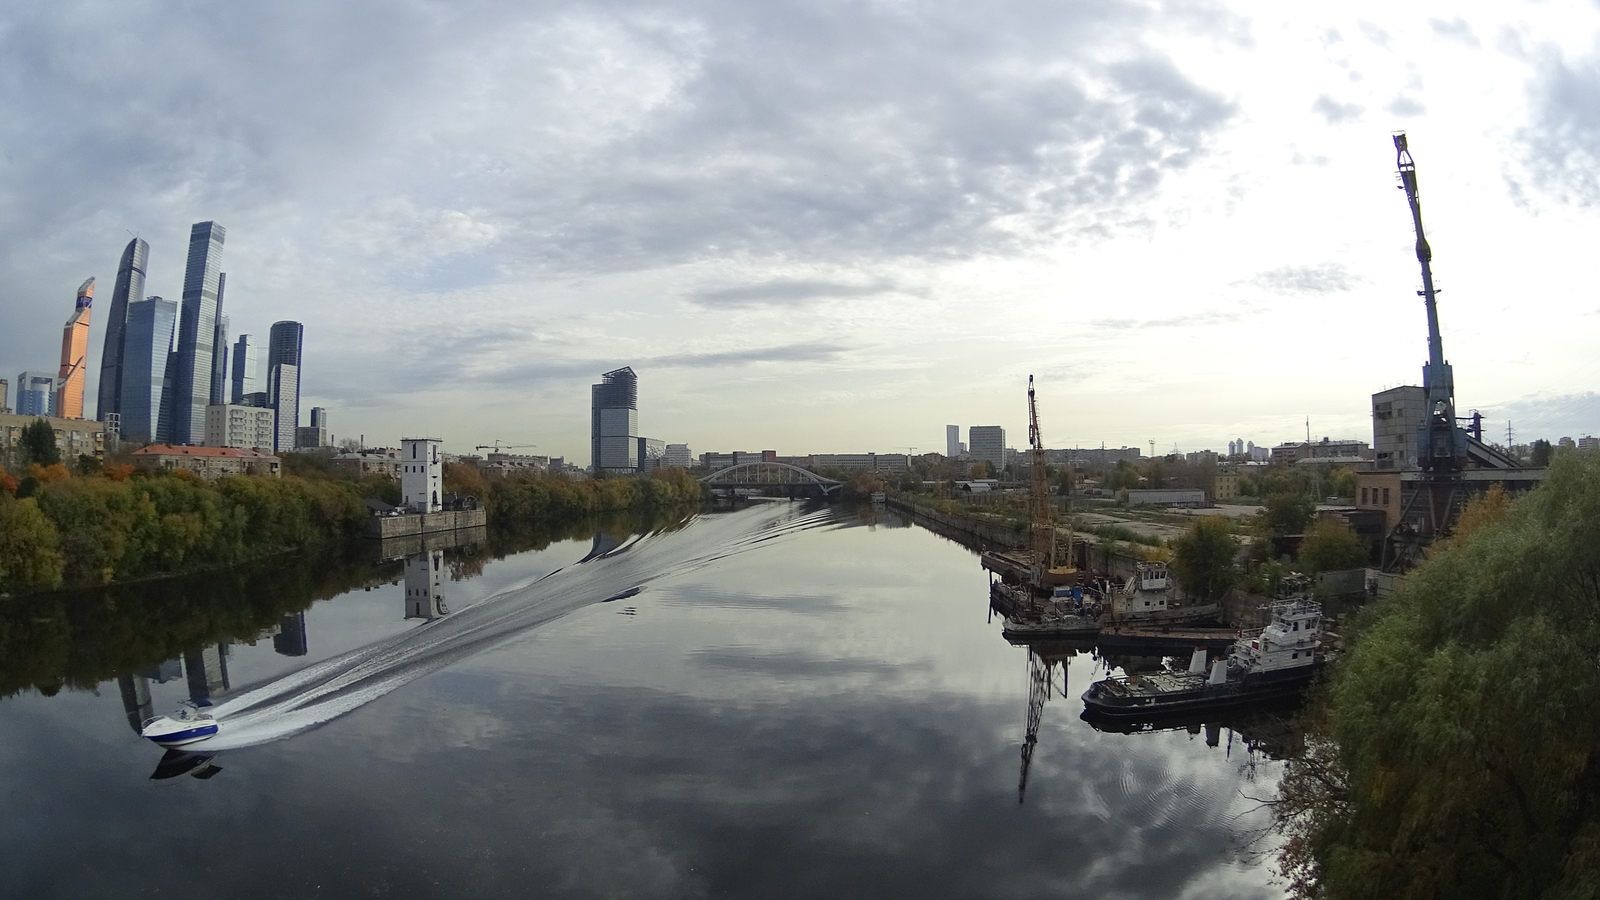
(773, 476)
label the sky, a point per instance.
(830, 226)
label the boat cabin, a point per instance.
(1146, 592)
(1289, 642)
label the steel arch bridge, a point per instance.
(770, 475)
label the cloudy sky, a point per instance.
(830, 226)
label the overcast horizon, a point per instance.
(818, 227)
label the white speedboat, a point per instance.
(187, 725)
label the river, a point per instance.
(779, 701)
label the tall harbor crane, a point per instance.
(1444, 449)
(1041, 509)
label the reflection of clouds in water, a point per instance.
(336, 686)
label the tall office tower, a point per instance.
(614, 422)
(319, 417)
(219, 343)
(197, 326)
(988, 443)
(246, 376)
(74, 355)
(283, 395)
(952, 441)
(36, 394)
(128, 289)
(146, 348)
(5, 388)
(284, 344)
(291, 637)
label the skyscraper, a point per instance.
(283, 378)
(219, 341)
(246, 376)
(614, 422)
(74, 355)
(952, 441)
(197, 326)
(146, 347)
(988, 443)
(36, 394)
(128, 289)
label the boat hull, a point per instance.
(1196, 696)
(171, 733)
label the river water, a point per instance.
(779, 701)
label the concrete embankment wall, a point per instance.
(983, 531)
(386, 527)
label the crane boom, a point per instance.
(1440, 448)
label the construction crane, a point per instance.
(497, 446)
(1041, 511)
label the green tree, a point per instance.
(1203, 558)
(1542, 453)
(981, 469)
(29, 556)
(1342, 482)
(38, 442)
(1287, 513)
(1329, 546)
(1459, 754)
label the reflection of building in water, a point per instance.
(207, 671)
(424, 586)
(171, 670)
(291, 637)
(136, 700)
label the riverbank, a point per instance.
(126, 525)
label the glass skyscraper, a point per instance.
(129, 288)
(614, 422)
(197, 325)
(245, 377)
(146, 347)
(283, 378)
(219, 344)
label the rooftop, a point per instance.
(211, 452)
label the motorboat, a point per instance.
(187, 725)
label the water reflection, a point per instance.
(425, 586)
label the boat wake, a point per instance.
(333, 687)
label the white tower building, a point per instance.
(421, 475)
(425, 586)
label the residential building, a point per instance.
(208, 462)
(674, 454)
(5, 395)
(228, 425)
(988, 443)
(128, 289)
(74, 437)
(1566, 443)
(1225, 484)
(853, 462)
(381, 461)
(1100, 456)
(952, 441)
(146, 347)
(421, 475)
(501, 465)
(75, 355)
(284, 344)
(1588, 443)
(614, 423)
(36, 394)
(190, 391)
(1291, 453)
(246, 379)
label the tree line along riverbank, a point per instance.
(64, 529)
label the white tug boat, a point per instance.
(187, 725)
(1147, 599)
(1273, 665)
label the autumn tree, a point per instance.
(1330, 545)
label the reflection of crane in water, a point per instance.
(1042, 659)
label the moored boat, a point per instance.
(1273, 665)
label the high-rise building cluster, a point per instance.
(165, 373)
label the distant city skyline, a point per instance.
(1181, 220)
